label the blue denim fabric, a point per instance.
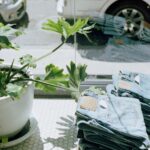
(122, 116)
(138, 83)
(129, 112)
(86, 145)
(117, 113)
(138, 87)
(95, 133)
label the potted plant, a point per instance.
(17, 85)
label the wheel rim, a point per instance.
(134, 21)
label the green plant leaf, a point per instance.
(14, 90)
(4, 140)
(53, 75)
(3, 78)
(64, 28)
(96, 90)
(45, 88)
(5, 43)
(50, 25)
(77, 74)
(78, 25)
(27, 59)
(7, 32)
(1, 60)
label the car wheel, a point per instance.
(135, 17)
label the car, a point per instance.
(135, 12)
(12, 10)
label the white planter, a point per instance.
(14, 114)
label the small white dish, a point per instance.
(32, 126)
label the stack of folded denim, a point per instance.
(110, 122)
(137, 85)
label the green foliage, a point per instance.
(28, 59)
(3, 77)
(14, 90)
(77, 74)
(7, 86)
(53, 76)
(5, 43)
(64, 28)
(13, 81)
(1, 60)
(96, 90)
(4, 139)
(6, 32)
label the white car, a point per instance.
(12, 10)
(135, 12)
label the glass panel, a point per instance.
(34, 39)
(120, 39)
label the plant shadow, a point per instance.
(68, 134)
(33, 143)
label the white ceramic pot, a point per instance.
(14, 114)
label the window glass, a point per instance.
(118, 39)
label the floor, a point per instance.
(56, 130)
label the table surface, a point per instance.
(56, 130)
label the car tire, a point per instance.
(135, 16)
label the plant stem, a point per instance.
(36, 60)
(49, 53)
(9, 73)
(18, 70)
(48, 84)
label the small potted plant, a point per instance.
(17, 85)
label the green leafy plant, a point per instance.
(7, 32)
(13, 80)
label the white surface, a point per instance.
(33, 128)
(15, 113)
(86, 8)
(67, 53)
(56, 129)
